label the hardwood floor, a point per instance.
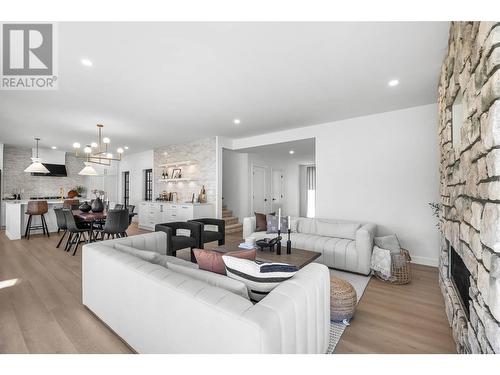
(41, 310)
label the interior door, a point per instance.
(260, 201)
(277, 189)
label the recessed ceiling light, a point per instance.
(125, 147)
(236, 121)
(54, 148)
(393, 82)
(291, 152)
(86, 62)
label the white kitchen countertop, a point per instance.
(170, 202)
(25, 201)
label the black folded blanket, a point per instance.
(273, 267)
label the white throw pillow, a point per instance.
(337, 230)
(259, 277)
(211, 278)
(390, 242)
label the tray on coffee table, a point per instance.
(298, 257)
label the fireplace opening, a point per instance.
(460, 276)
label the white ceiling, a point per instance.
(303, 151)
(154, 84)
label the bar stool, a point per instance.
(37, 208)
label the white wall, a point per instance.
(235, 183)
(135, 164)
(381, 168)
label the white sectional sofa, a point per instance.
(344, 245)
(161, 304)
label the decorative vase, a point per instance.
(97, 205)
(85, 207)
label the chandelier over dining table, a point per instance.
(98, 152)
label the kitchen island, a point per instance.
(16, 218)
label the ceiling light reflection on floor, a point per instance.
(8, 283)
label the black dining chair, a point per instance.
(61, 225)
(118, 207)
(130, 209)
(75, 231)
(116, 224)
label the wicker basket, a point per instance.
(400, 269)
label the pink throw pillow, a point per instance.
(211, 260)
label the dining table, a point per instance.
(92, 218)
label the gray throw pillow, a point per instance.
(389, 242)
(272, 224)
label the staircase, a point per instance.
(232, 224)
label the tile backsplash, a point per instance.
(15, 180)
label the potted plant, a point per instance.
(80, 189)
(436, 211)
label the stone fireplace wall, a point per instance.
(470, 182)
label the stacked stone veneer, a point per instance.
(203, 171)
(15, 180)
(470, 182)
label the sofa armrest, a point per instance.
(364, 246)
(249, 226)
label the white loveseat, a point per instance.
(166, 305)
(344, 245)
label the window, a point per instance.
(126, 188)
(148, 185)
(311, 191)
(457, 119)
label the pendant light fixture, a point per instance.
(36, 166)
(98, 152)
(88, 170)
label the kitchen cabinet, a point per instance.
(152, 213)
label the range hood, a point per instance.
(54, 161)
(55, 170)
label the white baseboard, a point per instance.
(426, 261)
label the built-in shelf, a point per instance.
(178, 164)
(176, 179)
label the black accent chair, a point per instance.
(177, 242)
(116, 224)
(75, 231)
(211, 235)
(118, 207)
